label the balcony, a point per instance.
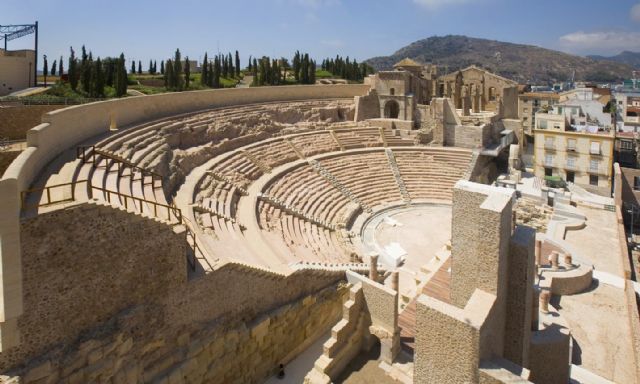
(571, 148)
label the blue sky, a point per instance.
(358, 28)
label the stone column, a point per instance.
(373, 266)
(538, 252)
(545, 297)
(568, 260)
(553, 259)
(466, 105)
(395, 280)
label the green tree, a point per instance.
(237, 64)
(133, 67)
(177, 71)
(45, 69)
(168, 75)
(162, 67)
(217, 67)
(54, 67)
(97, 79)
(61, 67)
(210, 72)
(121, 81)
(204, 76)
(187, 72)
(139, 67)
(150, 67)
(73, 70)
(296, 65)
(87, 68)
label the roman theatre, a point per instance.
(210, 236)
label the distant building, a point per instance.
(625, 149)
(16, 70)
(531, 103)
(627, 101)
(571, 144)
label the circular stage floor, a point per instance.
(414, 233)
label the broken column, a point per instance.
(538, 252)
(553, 260)
(395, 280)
(568, 260)
(545, 297)
(373, 266)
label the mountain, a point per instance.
(522, 63)
(626, 57)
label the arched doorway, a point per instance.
(391, 109)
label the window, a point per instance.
(624, 144)
(392, 91)
(593, 165)
(636, 183)
(556, 125)
(548, 160)
(548, 142)
(593, 180)
(571, 144)
(548, 172)
(571, 176)
(571, 162)
(594, 149)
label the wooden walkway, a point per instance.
(439, 288)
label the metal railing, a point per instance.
(24, 195)
(88, 155)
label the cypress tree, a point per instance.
(139, 67)
(45, 69)
(217, 68)
(54, 67)
(150, 67)
(177, 71)
(168, 75)
(162, 67)
(210, 73)
(61, 68)
(187, 72)
(204, 77)
(237, 64)
(296, 65)
(97, 79)
(121, 76)
(312, 72)
(225, 67)
(250, 66)
(109, 70)
(86, 74)
(255, 67)
(73, 70)
(133, 67)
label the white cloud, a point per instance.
(439, 3)
(635, 13)
(604, 42)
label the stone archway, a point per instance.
(391, 109)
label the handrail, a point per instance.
(171, 209)
(48, 188)
(81, 153)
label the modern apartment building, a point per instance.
(567, 145)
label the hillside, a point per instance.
(626, 57)
(523, 63)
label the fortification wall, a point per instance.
(83, 264)
(247, 352)
(106, 294)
